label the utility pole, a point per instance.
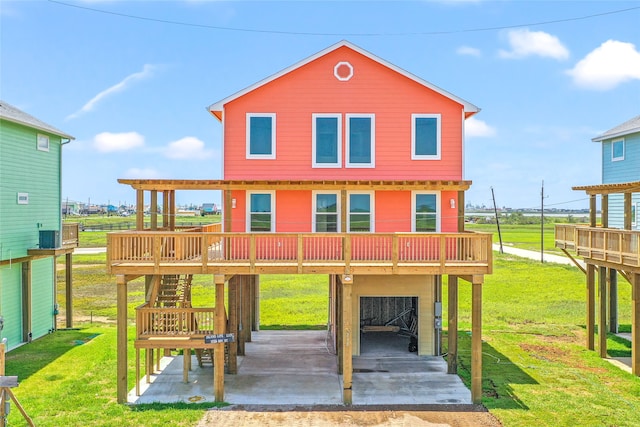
(495, 210)
(542, 223)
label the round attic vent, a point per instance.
(343, 71)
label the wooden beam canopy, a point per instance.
(624, 187)
(200, 184)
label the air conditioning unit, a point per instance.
(49, 239)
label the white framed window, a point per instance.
(617, 150)
(361, 211)
(327, 140)
(361, 140)
(326, 212)
(43, 142)
(425, 136)
(261, 136)
(425, 212)
(261, 211)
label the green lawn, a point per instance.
(536, 371)
(520, 236)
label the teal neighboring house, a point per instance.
(32, 234)
(621, 164)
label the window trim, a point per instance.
(372, 209)
(314, 161)
(272, 193)
(613, 142)
(314, 211)
(248, 136)
(414, 194)
(39, 139)
(372, 163)
(438, 154)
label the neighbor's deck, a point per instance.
(161, 252)
(610, 247)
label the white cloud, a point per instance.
(146, 72)
(107, 142)
(188, 147)
(525, 43)
(607, 66)
(137, 173)
(478, 128)
(470, 51)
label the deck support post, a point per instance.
(247, 304)
(339, 325)
(219, 328)
(347, 340)
(233, 323)
(139, 210)
(452, 331)
(476, 341)
(153, 211)
(602, 315)
(121, 339)
(635, 324)
(255, 292)
(68, 289)
(591, 306)
(613, 300)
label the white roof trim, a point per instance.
(219, 106)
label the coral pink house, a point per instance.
(344, 165)
(344, 114)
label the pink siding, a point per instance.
(449, 215)
(293, 211)
(312, 88)
(393, 211)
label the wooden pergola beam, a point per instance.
(335, 185)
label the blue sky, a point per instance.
(131, 80)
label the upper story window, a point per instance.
(326, 211)
(425, 212)
(361, 212)
(327, 140)
(43, 142)
(617, 150)
(261, 211)
(261, 136)
(361, 137)
(425, 136)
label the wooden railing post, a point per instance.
(394, 253)
(300, 252)
(346, 249)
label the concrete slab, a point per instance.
(299, 368)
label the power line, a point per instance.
(377, 34)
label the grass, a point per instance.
(536, 370)
(520, 236)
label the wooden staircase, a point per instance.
(175, 291)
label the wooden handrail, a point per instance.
(609, 245)
(297, 249)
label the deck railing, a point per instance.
(170, 322)
(70, 234)
(287, 249)
(602, 244)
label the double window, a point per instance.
(262, 212)
(425, 136)
(617, 150)
(326, 212)
(360, 209)
(261, 136)
(327, 140)
(425, 208)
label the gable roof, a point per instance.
(12, 114)
(626, 128)
(217, 107)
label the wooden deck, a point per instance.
(609, 247)
(147, 252)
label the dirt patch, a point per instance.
(338, 417)
(546, 352)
